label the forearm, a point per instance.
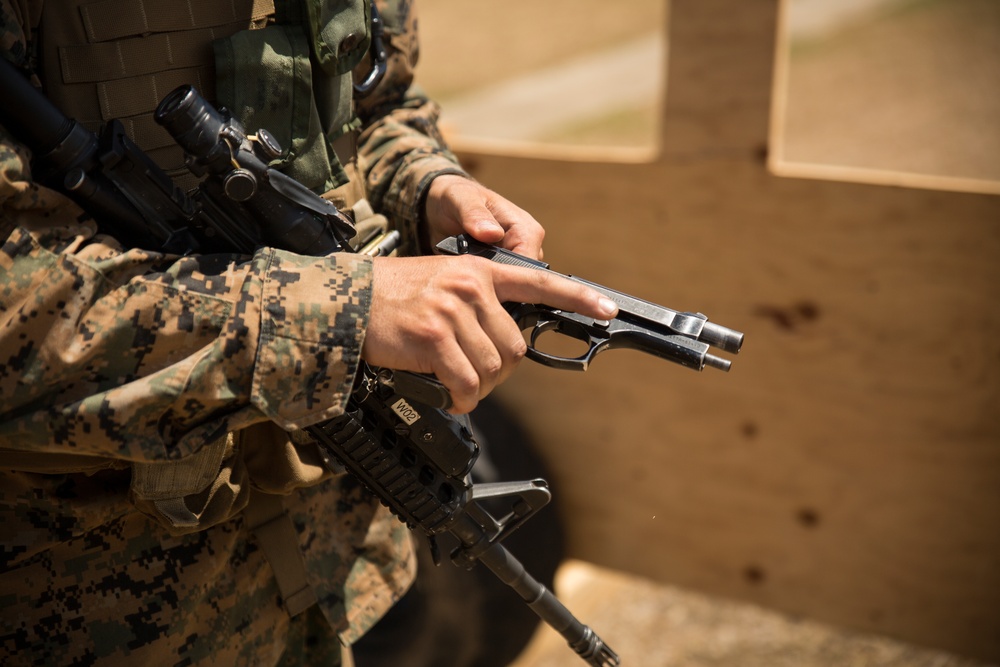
(400, 148)
(142, 356)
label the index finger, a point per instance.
(527, 285)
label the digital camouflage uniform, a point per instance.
(148, 402)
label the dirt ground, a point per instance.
(916, 89)
(911, 87)
(652, 625)
(468, 44)
(524, 37)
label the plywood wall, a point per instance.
(848, 468)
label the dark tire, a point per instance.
(457, 618)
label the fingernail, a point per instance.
(487, 226)
(607, 306)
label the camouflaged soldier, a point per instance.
(158, 505)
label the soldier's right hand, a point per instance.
(443, 315)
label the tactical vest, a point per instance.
(282, 65)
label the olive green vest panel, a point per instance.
(118, 58)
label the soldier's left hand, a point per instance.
(457, 205)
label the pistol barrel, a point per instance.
(722, 337)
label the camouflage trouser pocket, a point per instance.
(196, 492)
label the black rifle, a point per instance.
(416, 459)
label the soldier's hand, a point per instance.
(443, 315)
(457, 205)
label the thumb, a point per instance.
(478, 221)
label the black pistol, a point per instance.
(683, 338)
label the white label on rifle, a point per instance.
(405, 411)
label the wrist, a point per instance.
(429, 205)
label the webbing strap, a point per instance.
(114, 19)
(138, 95)
(163, 480)
(272, 528)
(147, 133)
(136, 56)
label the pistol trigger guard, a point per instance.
(541, 327)
(569, 328)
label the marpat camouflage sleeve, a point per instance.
(142, 356)
(400, 149)
(146, 357)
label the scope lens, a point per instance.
(191, 121)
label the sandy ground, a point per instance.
(653, 625)
(917, 90)
(529, 55)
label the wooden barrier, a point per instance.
(848, 468)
